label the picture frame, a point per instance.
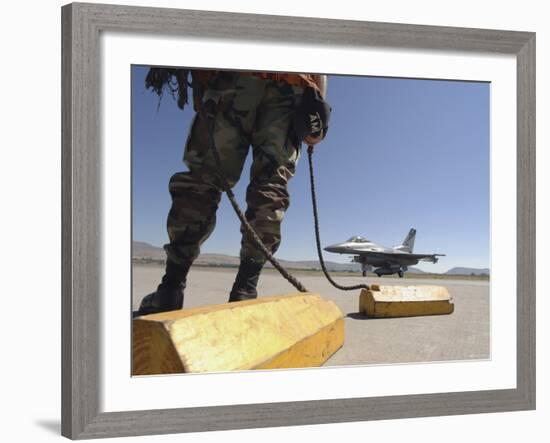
(82, 25)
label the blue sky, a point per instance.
(399, 153)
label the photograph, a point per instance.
(286, 220)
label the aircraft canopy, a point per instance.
(358, 239)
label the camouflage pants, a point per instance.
(253, 113)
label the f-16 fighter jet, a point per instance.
(384, 261)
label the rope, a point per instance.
(317, 235)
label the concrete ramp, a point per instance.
(405, 301)
(290, 331)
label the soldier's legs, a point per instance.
(275, 155)
(196, 193)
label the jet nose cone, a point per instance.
(331, 248)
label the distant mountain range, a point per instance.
(145, 252)
(468, 271)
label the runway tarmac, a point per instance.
(463, 335)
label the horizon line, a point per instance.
(329, 261)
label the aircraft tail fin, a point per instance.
(408, 243)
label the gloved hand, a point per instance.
(311, 117)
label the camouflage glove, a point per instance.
(311, 117)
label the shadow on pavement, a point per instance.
(359, 316)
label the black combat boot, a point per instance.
(169, 294)
(246, 281)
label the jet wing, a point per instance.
(424, 256)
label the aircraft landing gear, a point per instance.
(365, 268)
(400, 273)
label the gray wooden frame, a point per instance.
(81, 166)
